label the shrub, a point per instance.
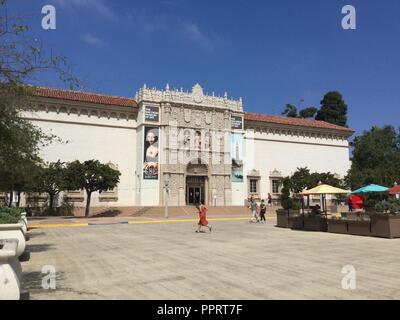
(9, 215)
(391, 205)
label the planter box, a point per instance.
(282, 219)
(317, 223)
(14, 231)
(359, 227)
(338, 226)
(296, 222)
(385, 225)
(10, 270)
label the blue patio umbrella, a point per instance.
(371, 188)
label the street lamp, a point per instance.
(166, 193)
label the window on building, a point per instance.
(275, 186)
(198, 140)
(253, 186)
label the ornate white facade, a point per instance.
(194, 133)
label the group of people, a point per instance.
(258, 211)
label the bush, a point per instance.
(9, 215)
(288, 202)
(391, 205)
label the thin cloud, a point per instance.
(193, 33)
(98, 6)
(171, 25)
(93, 40)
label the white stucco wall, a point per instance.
(266, 152)
(84, 138)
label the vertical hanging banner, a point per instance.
(237, 157)
(151, 153)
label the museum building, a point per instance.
(184, 146)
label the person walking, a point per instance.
(350, 205)
(269, 200)
(263, 210)
(202, 217)
(253, 209)
(29, 211)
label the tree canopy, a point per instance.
(333, 109)
(290, 111)
(22, 58)
(308, 112)
(91, 176)
(51, 179)
(376, 158)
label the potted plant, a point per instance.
(11, 227)
(289, 215)
(385, 222)
(337, 225)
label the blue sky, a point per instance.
(268, 52)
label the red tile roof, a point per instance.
(249, 116)
(84, 97)
(128, 102)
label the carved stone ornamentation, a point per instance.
(187, 115)
(198, 118)
(208, 117)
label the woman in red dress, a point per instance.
(202, 216)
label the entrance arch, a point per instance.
(196, 183)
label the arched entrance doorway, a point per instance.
(196, 183)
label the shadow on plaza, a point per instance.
(34, 248)
(36, 234)
(107, 214)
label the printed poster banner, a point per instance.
(237, 122)
(151, 114)
(237, 157)
(151, 153)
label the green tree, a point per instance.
(20, 178)
(22, 59)
(325, 178)
(376, 158)
(300, 180)
(308, 112)
(51, 179)
(91, 176)
(290, 111)
(333, 109)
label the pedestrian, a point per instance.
(202, 217)
(269, 200)
(263, 210)
(253, 210)
(28, 211)
(350, 205)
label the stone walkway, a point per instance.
(238, 260)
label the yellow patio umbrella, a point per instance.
(324, 189)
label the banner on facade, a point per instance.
(151, 153)
(237, 122)
(151, 114)
(237, 157)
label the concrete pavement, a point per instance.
(238, 260)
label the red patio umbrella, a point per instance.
(395, 190)
(357, 201)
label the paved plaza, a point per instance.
(238, 260)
